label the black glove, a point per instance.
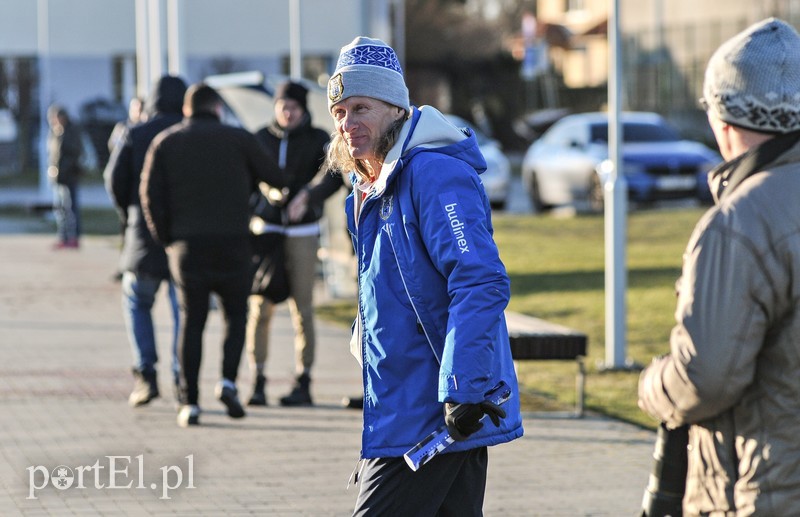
(464, 419)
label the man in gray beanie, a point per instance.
(430, 334)
(733, 371)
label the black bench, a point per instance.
(536, 339)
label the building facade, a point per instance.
(87, 54)
(666, 45)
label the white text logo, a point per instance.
(457, 226)
(113, 475)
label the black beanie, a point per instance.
(295, 91)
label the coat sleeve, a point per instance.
(263, 164)
(721, 324)
(118, 175)
(455, 227)
(154, 195)
(322, 187)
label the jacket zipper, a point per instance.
(410, 300)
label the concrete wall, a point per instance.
(85, 38)
(212, 27)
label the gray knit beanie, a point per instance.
(753, 79)
(368, 67)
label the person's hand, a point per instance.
(462, 420)
(275, 196)
(297, 207)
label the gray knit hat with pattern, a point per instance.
(368, 67)
(753, 79)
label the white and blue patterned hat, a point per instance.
(368, 67)
(753, 79)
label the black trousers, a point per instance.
(449, 485)
(200, 267)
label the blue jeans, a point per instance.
(68, 217)
(138, 297)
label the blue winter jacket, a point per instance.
(432, 291)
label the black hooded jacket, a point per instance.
(141, 254)
(305, 154)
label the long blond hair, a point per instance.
(338, 157)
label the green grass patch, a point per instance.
(94, 221)
(30, 178)
(557, 269)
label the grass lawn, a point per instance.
(94, 221)
(557, 269)
(557, 273)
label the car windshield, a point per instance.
(636, 132)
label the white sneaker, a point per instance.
(189, 415)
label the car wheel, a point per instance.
(536, 197)
(498, 205)
(596, 194)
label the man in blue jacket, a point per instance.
(430, 333)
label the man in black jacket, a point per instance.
(143, 262)
(300, 149)
(64, 150)
(196, 184)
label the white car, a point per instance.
(497, 177)
(562, 166)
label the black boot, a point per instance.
(259, 396)
(145, 388)
(300, 394)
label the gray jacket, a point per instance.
(734, 366)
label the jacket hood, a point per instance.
(167, 96)
(427, 130)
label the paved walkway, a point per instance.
(64, 382)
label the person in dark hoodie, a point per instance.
(143, 261)
(300, 148)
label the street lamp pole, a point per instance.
(142, 50)
(295, 52)
(155, 41)
(45, 92)
(616, 199)
(176, 54)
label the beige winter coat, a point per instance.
(734, 366)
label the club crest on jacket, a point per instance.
(386, 207)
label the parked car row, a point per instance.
(562, 167)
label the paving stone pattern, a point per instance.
(65, 377)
